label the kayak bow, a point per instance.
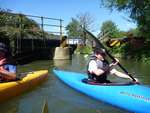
(14, 88)
(131, 97)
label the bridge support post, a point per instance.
(62, 53)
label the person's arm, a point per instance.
(8, 74)
(93, 68)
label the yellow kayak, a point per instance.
(14, 88)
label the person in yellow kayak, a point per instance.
(7, 70)
(99, 68)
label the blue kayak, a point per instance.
(129, 96)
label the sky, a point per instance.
(67, 9)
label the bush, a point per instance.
(127, 51)
(83, 49)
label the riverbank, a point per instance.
(126, 51)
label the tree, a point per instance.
(109, 28)
(86, 20)
(14, 20)
(134, 32)
(13, 25)
(73, 28)
(138, 10)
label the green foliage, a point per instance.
(108, 26)
(120, 34)
(86, 20)
(15, 20)
(18, 25)
(121, 50)
(73, 28)
(138, 10)
(110, 29)
(84, 49)
(127, 51)
(135, 32)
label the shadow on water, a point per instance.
(60, 97)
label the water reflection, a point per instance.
(139, 70)
(62, 64)
(78, 63)
(12, 107)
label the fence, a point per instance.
(33, 37)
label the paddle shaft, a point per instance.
(101, 45)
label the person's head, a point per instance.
(3, 50)
(99, 54)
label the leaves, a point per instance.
(74, 27)
(18, 25)
(138, 10)
(110, 29)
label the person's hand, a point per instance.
(136, 81)
(2, 61)
(115, 62)
(2, 68)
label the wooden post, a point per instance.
(61, 28)
(20, 37)
(43, 35)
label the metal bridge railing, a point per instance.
(46, 25)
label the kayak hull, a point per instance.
(133, 97)
(14, 88)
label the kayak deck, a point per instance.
(132, 97)
(14, 88)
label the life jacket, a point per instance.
(101, 64)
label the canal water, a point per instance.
(60, 97)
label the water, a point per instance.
(60, 97)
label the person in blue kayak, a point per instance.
(99, 68)
(7, 70)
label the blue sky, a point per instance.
(66, 9)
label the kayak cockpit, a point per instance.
(93, 82)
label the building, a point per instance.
(74, 41)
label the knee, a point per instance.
(113, 71)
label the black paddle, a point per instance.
(105, 50)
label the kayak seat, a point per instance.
(91, 81)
